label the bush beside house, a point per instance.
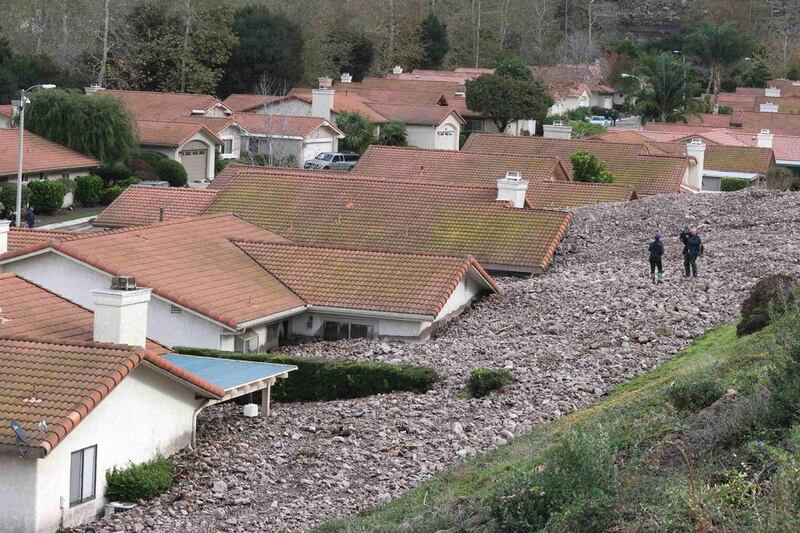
(8, 196)
(734, 184)
(139, 482)
(46, 197)
(88, 190)
(171, 171)
(319, 379)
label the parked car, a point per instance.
(333, 161)
(599, 119)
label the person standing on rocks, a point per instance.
(656, 251)
(692, 246)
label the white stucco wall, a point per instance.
(235, 134)
(17, 490)
(421, 136)
(447, 142)
(292, 107)
(145, 414)
(467, 290)
(74, 280)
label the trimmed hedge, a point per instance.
(318, 379)
(88, 190)
(734, 184)
(47, 196)
(150, 157)
(8, 196)
(110, 194)
(172, 171)
(113, 172)
(139, 482)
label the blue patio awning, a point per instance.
(228, 374)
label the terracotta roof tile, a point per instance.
(782, 123)
(159, 106)
(190, 262)
(631, 164)
(29, 310)
(708, 119)
(360, 279)
(571, 194)
(425, 115)
(331, 209)
(40, 155)
(344, 104)
(454, 167)
(279, 125)
(61, 383)
(172, 134)
(19, 238)
(7, 110)
(248, 102)
(140, 205)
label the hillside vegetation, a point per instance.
(700, 443)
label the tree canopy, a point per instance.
(586, 167)
(98, 126)
(270, 48)
(358, 131)
(507, 95)
(394, 133)
(352, 52)
(435, 45)
(513, 66)
(665, 95)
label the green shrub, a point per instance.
(394, 133)
(770, 294)
(327, 379)
(113, 172)
(586, 167)
(139, 482)
(150, 157)
(785, 373)
(133, 180)
(482, 381)
(171, 171)
(88, 190)
(47, 196)
(220, 164)
(734, 184)
(69, 184)
(110, 194)
(572, 489)
(694, 394)
(8, 196)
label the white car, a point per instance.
(599, 119)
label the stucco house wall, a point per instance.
(291, 106)
(17, 503)
(234, 133)
(130, 425)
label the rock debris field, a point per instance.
(569, 336)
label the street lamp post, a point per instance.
(641, 81)
(22, 102)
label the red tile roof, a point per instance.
(631, 164)
(331, 209)
(248, 102)
(571, 194)
(40, 155)
(424, 115)
(29, 310)
(19, 238)
(281, 125)
(140, 205)
(61, 383)
(708, 119)
(190, 262)
(158, 106)
(455, 168)
(359, 279)
(344, 104)
(172, 134)
(782, 123)
(7, 110)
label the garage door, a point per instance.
(194, 157)
(311, 149)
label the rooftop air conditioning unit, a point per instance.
(123, 283)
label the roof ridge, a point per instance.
(346, 249)
(85, 344)
(378, 147)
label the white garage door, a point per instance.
(311, 149)
(194, 158)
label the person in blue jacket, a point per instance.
(656, 251)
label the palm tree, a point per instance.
(664, 97)
(357, 131)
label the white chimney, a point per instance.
(397, 69)
(512, 188)
(93, 88)
(4, 229)
(322, 103)
(120, 313)
(697, 149)
(324, 82)
(346, 77)
(764, 139)
(772, 92)
(768, 107)
(557, 130)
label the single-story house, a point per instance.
(329, 209)
(42, 160)
(60, 436)
(287, 138)
(235, 302)
(192, 145)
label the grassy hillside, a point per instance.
(640, 460)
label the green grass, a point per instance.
(637, 417)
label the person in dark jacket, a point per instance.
(691, 251)
(656, 251)
(30, 217)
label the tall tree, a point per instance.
(351, 51)
(433, 34)
(358, 131)
(719, 47)
(99, 126)
(664, 99)
(270, 45)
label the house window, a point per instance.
(227, 147)
(332, 331)
(83, 465)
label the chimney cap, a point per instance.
(514, 175)
(123, 283)
(765, 131)
(696, 141)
